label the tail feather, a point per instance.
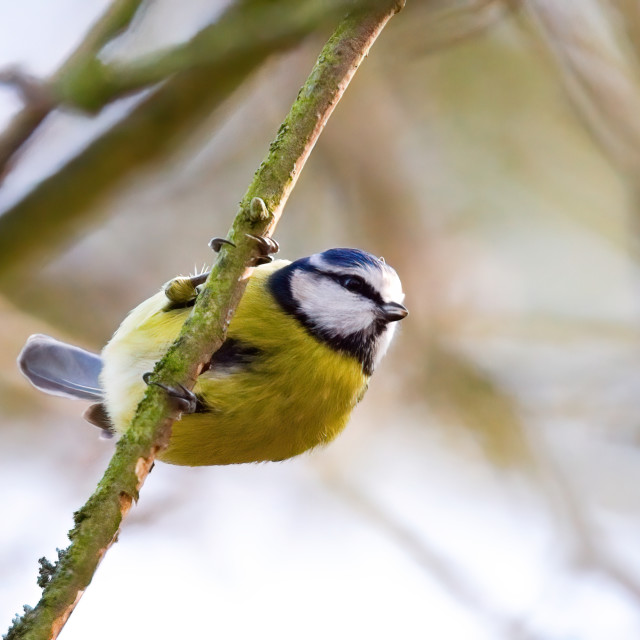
(61, 369)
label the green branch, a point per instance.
(247, 25)
(115, 20)
(98, 522)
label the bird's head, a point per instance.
(347, 298)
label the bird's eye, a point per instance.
(353, 283)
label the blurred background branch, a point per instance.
(237, 44)
(115, 19)
(601, 80)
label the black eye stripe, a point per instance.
(365, 289)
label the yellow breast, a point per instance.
(296, 393)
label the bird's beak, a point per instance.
(392, 311)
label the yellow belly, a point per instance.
(298, 393)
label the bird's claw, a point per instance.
(216, 243)
(266, 247)
(185, 401)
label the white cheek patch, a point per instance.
(329, 306)
(390, 286)
(383, 342)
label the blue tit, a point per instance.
(299, 352)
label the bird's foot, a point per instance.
(185, 401)
(266, 247)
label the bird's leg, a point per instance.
(266, 247)
(183, 291)
(185, 401)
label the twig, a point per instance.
(19, 130)
(459, 22)
(286, 20)
(112, 23)
(600, 80)
(85, 82)
(98, 522)
(116, 18)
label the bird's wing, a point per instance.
(61, 369)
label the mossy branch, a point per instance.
(98, 522)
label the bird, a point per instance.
(300, 349)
